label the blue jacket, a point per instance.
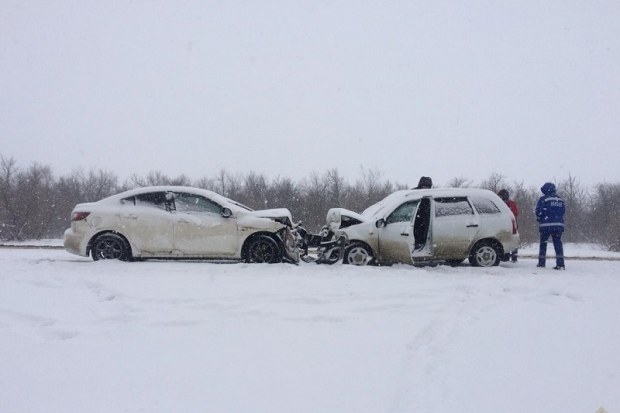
(550, 208)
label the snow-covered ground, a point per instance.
(155, 336)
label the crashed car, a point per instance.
(428, 225)
(179, 222)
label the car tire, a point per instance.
(262, 249)
(485, 254)
(358, 254)
(110, 247)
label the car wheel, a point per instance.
(110, 247)
(262, 249)
(454, 263)
(358, 254)
(484, 254)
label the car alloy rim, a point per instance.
(486, 256)
(108, 249)
(358, 256)
(262, 252)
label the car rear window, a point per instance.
(485, 205)
(450, 206)
(151, 199)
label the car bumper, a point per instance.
(74, 243)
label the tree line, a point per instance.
(35, 203)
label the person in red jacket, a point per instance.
(505, 195)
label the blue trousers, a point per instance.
(556, 236)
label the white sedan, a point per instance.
(179, 222)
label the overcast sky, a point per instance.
(528, 89)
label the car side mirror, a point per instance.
(380, 223)
(226, 212)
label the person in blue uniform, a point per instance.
(550, 211)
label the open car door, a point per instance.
(421, 244)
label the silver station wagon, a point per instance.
(428, 225)
(179, 222)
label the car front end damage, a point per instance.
(289, 250)
(329, 247)
(278, 223)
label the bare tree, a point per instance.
(336, 188)
(576, 199)
(315, 204)
(98, 184)
(460, 182)
(605, 216)
(8, 220)
(526, 199)
(285, 193)
(181, 180)
(29, 202)
(255, 191)
(494, 182)
(78, 187)
(206, 183)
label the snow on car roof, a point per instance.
(398, 197)
(222, 200)
(168, 188)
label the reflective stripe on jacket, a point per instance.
(550, 211)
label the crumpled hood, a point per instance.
(271, 213)
(548, 189)
(335, 217)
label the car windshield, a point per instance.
(239, 205)
(386, 203)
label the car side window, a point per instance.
(450, 206)
(195, 203)
(403, 213)
(153, 199)
(485, 205)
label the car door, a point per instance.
(200, 229)
(147, 222)
(395, 234)
(454, 227)
(422, 244)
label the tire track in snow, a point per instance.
(423, 376)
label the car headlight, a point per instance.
(339, 234)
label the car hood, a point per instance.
(271, 213)
(336, 217)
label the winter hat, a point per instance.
(504, 194)
(425, 181)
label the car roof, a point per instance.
(398, 197)
(171, 188)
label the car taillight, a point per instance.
(78, 216)
(514, 226)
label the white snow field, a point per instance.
(179, 336)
